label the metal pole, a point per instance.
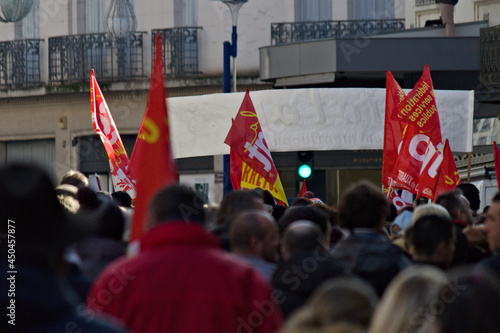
(227, 68)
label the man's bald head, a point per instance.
(255, 233)
(302, 236)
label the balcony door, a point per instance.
(313, 10)
(373, 9)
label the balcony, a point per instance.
(180, 53)
(20, 63)
(490, 55)
(113, 59)
(285, 33)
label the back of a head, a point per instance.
(178, 203)
(429, 209)
(344, 300)
(302, 236)
(300, 202)
(475, 305)
(471, 192)
(406, 303)
(29, 205)
(75, 178)
(122, 198)
(235, 203)
(245, 227)
(452, 202)
(363, 206)
(297, 213)
(429, 231)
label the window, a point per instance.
(313, 10)
(372, 10)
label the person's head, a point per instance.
(300, 202)
(469, 302)
(433, 240)
(471, 192)
(122, 198)
(29, 206)
(255, 233)
(68, 197)
(302, 236)
(75, 178)
(429, 209)
(363, 206)
(348, 300)
(177, 203)
(267, 197)
(108, 219)
(312, 214)
(235, 203)
(456, 205)
(405, 304)
(492, 224)
(340, 302)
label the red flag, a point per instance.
(430, 171)
(396, 199)
(303, 189)
(410, 159)
(439, 173)
(251, 162)
(235, 169)
(448, 178)
(393, 129)
(247, 140)
(419, 109)
(151, 161)
(496, 153)
(104, 125)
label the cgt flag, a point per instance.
(439, 173)
(496, 153)
(151, 161)
(104, 125)
(393, 129)
(250, 153)
(419, 109)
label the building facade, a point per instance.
(45, 62)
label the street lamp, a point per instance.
(14, 10)
(120, 19)
(121, 23)
(230, 49)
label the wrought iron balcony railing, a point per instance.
(20, 63)
(489, 67)
(113, 59)
(180, 50)
(284, 33)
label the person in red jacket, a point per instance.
(182, 281)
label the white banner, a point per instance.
(307, 119)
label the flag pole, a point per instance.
(468, 168)
(390, 188)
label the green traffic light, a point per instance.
(305, 171)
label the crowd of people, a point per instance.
(246, 265)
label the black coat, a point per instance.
(296, 279)
(44, 303)
(374, 259)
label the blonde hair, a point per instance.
(346, 304)
(429, 209)
(405, 304)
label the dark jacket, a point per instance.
(296, 279)
(371, 257)
(43, 303)
(491, 264)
